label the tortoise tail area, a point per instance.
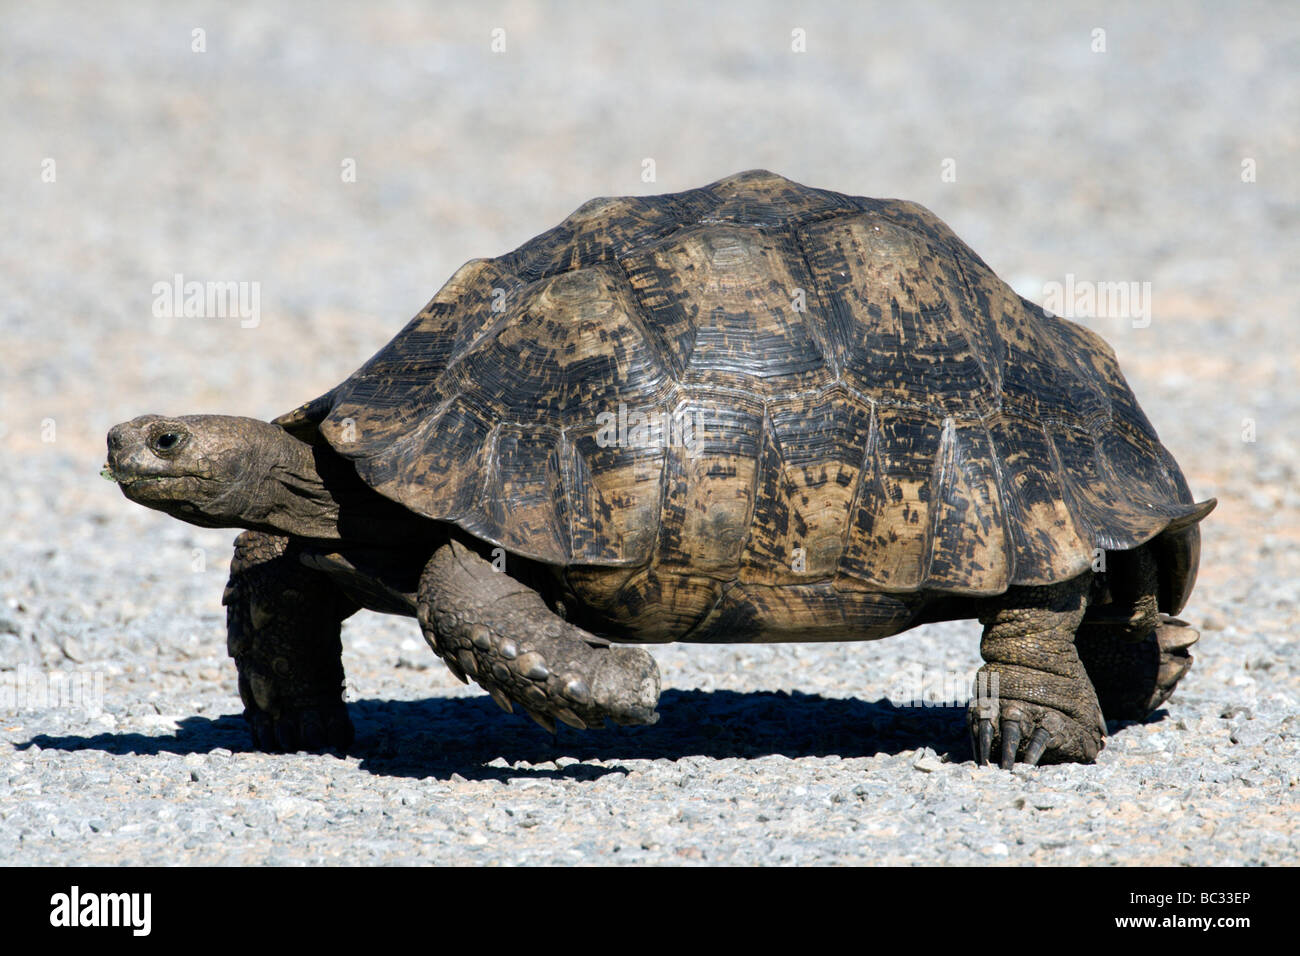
(1177, 551)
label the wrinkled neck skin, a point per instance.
(310, 491)
(287, 495)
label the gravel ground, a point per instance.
(1169, 158)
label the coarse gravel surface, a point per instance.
(1169, 157)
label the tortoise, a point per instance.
(753, 411)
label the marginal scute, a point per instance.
(614, 497)
(969, 548)
(891, 525)
(708, 502)
(870, 414)
(1048, 541)
(524, 495)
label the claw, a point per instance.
(570, 718)
(986, 742)
(454, 667)
(544, 721)
(1010, 743)
(1175, 635)
(1172, 671)
(1037, 746)
(501, 699)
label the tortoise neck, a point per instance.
(308, 490)
(285, 493)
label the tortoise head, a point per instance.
(216, 471)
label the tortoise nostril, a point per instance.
(121, 438)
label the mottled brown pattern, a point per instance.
(914, 429)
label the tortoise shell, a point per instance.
(762, 410)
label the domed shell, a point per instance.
(761, 382)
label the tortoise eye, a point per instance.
(167, 441)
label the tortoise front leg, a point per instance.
(489, 626)
(1033, 694)
(282, 629)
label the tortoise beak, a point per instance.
(119, 437)
(127, 451)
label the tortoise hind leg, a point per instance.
(1034, 700)
(1134, 655)
(486, 625)
(1133, 678)
(282, 629)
